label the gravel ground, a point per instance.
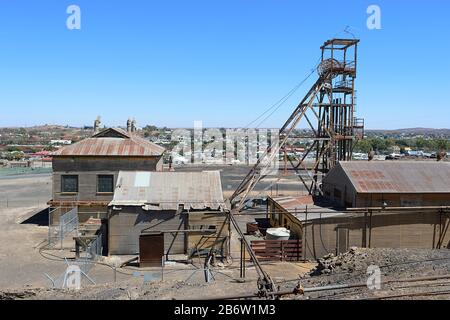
(22, 267)
(346, 269)
(395, 264)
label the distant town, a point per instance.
(22, 147)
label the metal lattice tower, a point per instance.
(329, 110)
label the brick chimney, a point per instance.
(97, 123)
(129, 125)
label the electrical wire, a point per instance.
(282, 100)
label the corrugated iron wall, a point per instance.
(126, 225)
(403, 229)
(219, 240)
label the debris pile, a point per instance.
(344, 262)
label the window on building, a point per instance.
(105, 183)
(69, 183)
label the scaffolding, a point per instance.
(328, 109)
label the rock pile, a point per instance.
(349, 261)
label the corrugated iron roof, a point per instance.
(168, 190)
(397, 177)
(293, 204)
(304, 209)
(112, 142)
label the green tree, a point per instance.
(364, 146)
(420, 143)
(50, 148)
(441, 144)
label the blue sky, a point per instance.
(220, 61)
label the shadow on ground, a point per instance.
(40, 218)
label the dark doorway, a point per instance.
(151, 250)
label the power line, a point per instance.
(281, 101)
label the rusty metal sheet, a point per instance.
(397, 177)
(115, 142)
(168, 190)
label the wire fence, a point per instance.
(75, 272)
(68, 222)
(90, 256)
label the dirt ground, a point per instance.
(404, 274)
(25, 271)
(24, 267)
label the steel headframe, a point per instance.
(334, 129)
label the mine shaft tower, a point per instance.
(337, 128)
(329, 110)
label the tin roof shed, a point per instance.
(394, 176)
(169, 190)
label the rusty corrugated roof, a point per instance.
(112, 142)
(304, 209)
(168, 190)
(397, 176)
(293, 203)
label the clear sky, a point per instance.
(224, 62)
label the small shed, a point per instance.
(184, 209)
(361, 184)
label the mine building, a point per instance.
(85, 173)
(370, 205)
(361, 184)
(167, 214)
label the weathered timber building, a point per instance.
(404, 204)
(85, 173)
(324, 230)
(361, 184)
(168, 213)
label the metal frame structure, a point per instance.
(68, 222)
(329, 110)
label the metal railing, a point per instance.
(68, 222)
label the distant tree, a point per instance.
(420, 143)
(364, 146)
(441, 144)
(379, 144)
(50, 148)
(150, 128)
(402, 143)
(15, 155)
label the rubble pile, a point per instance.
(344, 262)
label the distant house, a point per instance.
(85, 173)
(361, 184)
(60, 142)
(168, 213)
